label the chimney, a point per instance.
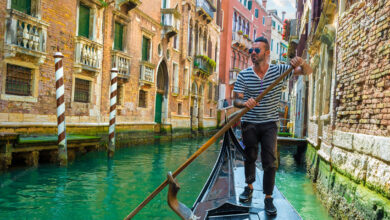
(265, 3)
(283, 15)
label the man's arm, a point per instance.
(239, 101)
(300, 66)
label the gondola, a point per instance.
(219, 196)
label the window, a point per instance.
(145, 48)
(118, 39)
(247, 28)
(82, 90)
(210, 49)
(211, 112)
(22, 6)
(263, 20)
(273, 24)
(256, 13)
(19, 80)
(210, 91)
(185, 78)
(179, 109)
(190, 40)
(216, 93)
(119, 96)
(175, 78)
(272, 44)
(142, 99)
(84, 16)
(175, 42)
(254, 35)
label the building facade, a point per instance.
(166, 54)
(278, 45)
(347, 44)
(242, 23)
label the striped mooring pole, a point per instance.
(111, 129)
(62, 147)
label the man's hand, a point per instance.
(300, 66)
(251, 103)
(296, 62)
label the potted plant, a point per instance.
(246, 36)
(240, 32)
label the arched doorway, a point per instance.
(161, 93)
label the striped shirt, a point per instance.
(250, 84)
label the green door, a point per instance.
(157, 117)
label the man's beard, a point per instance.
(258, 60)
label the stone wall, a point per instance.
(349, 132)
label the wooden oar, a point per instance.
(214, 138)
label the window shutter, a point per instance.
(250, 5)
(84, 15)
(118, 41)
(145, 49)
(22, 5)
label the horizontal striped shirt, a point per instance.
(250, 84)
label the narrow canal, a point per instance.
(92, 188)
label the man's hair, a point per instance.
(264, 40)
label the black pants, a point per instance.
(266, 134)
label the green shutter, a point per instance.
(249, 5)
(22, 5)
(118, 36)
(84, 15)
(145, 49)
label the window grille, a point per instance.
(18, 81)
(142, 99)
(82, 90)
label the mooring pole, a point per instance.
(62, 147)
(111, 129)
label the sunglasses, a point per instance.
(257, 50)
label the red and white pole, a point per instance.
(62, 147)
(111, 129)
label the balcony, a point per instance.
(25, 35)
(170, 20)
(233, 73)
(238, 40)
(88, 55)
(203, 66)
(128, 4)
(206, 9)
(121, 61)
(146, 76)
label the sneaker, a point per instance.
(269, 206)
(246, 196)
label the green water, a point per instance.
(93, 188)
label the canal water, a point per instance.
(93, 188)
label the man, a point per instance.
(260, 123)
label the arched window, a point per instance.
(239, 23)
(210, 49)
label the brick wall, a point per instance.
(363, 69)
